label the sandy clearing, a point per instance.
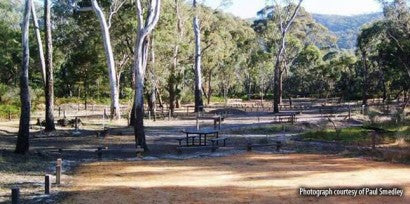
(244, 178)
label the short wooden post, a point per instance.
(169, 114)
(76, 124)
(99, 153)
(47, 184)
(15, 195)
(9, 115)
(58, 171)
(149, 115)
(64, 114)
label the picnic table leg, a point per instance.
(187, 143)
(205, 139)
(217, 136)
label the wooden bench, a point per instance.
(199, 134)
(278, 145)
(288, 117)
(187, 140)
(215, 142)
(217, 120)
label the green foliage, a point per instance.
(6, 110)
(238, 57)
(354, 134)
(346, 28)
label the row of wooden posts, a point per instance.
(15, 191)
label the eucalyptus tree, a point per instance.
(105, 24)
(285, 21)
(49, 85)
(39, 41)
(198, 57)
(144, 30)
(172, 81)
(23, 143)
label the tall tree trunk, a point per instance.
(49, 87)
(198, 72)
(152, 100)
(140, 64)
(277, 88)
(23, 143)
(172, 78)
(209, 88)
(115, 104)
(39, 42)
(365, 78)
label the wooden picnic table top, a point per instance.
(211, 117)
(205, 131)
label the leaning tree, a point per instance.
(145, 27)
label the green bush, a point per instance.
(5, 110)
(352, 134)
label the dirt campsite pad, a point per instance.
(243, 178)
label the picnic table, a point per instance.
(192, 134)
(287, 116)
(217, 120)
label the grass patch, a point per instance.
(359, 134)
(262, 130)
(13, 110)
(351, 134)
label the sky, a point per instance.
(248, 8)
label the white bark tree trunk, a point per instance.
(115, 105)
(197, 67)
(277, 86)
(39, 42)
(140, 65)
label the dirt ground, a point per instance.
(243, 178)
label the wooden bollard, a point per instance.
(58, 171)
(47, 184)
(15, 195)
(59, 111)
(105, 113)
(76, 123)
(64, 114)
